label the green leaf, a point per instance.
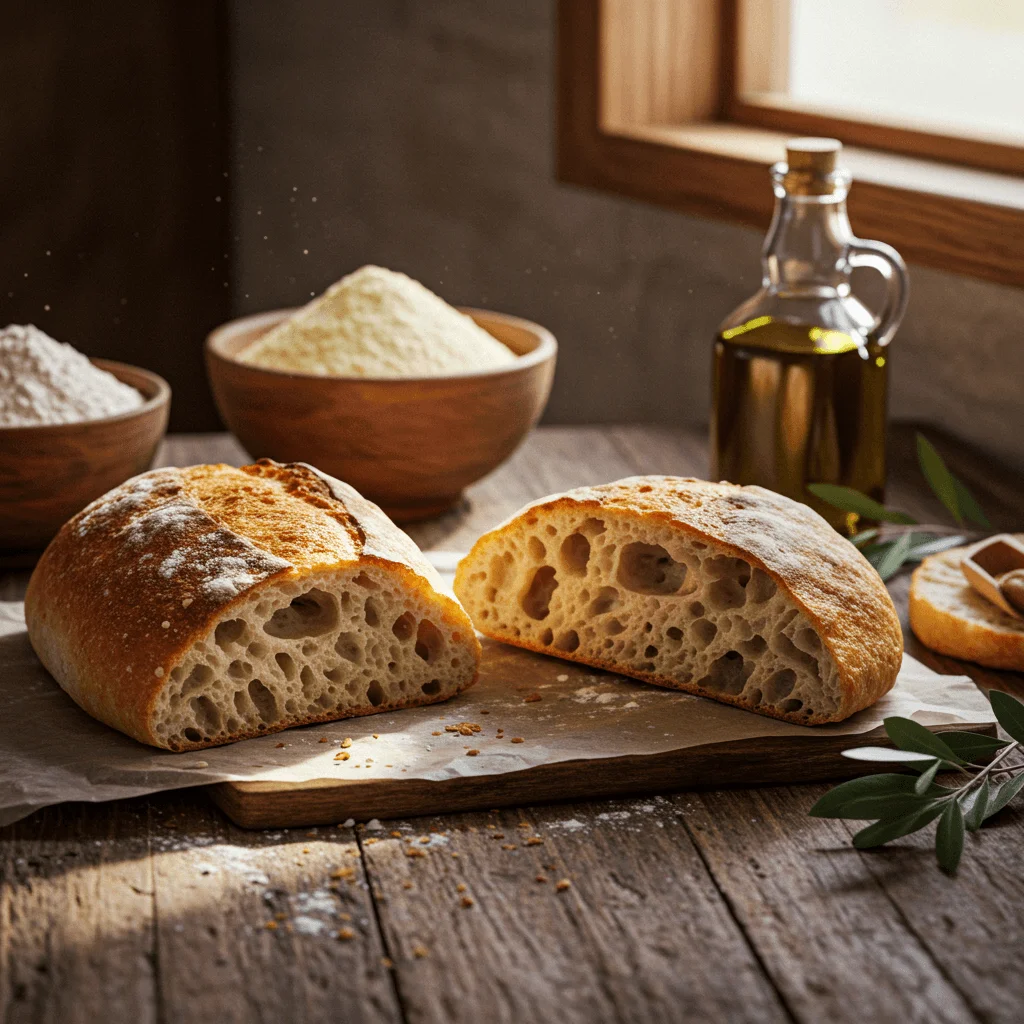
(974, 805)
(1010, 713)
(933, 547)
(849, 500)
(863, 537)
(886, 754)
(971, 745)
(938, 476)
(926, 779)
(949, 837)
(968, 506)
(888, 562)
(892, 828)
(1001, 795)
(908, 735)
(836, 801)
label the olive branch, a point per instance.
(900, 804)
(900, 539)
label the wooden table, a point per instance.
(719, 905)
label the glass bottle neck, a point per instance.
(807, 246)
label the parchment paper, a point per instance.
(51, 751)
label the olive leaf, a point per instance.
(949, 837)
(892, 556)
(848, 500)
(904, 804)
(948, 489)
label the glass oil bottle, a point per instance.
(801, 368)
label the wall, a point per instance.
(418, 134)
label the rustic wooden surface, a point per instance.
(719, 905)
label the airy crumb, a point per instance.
(467, 901)
(562, 884)
(346, 933)
(517, 739)
(419, 951)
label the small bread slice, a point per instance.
(735, 593)
(948, 615)
(194, 607)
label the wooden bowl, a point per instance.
(409, 444)
(49, 473)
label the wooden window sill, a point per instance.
(942, 215)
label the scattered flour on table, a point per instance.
(44, 382)
(378, 323)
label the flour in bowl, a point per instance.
(43, 381)
(378, 323)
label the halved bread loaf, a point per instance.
(194, 607)
(948, 615)
(735, 593)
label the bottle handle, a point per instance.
(888, 262)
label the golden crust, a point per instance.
(826, 576)
(949, 616)
(182, 546)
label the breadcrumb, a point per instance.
(419, 951)
(467, 901)
(346, 933)
(562, 884)
(517, 739)
(347, 741)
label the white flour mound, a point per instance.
(378, 323)
(43, 381)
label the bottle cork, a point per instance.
(811, 166)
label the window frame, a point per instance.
(713, 161)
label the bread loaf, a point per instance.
(948, 615)
(194, 607)
(735, 593)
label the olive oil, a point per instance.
(799, 403)
(801, 368)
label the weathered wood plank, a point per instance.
(247, 924)
(824, 928)
(76, 917)
(640, 934)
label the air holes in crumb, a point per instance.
(697, 609)
(703, 632)
(536, 548)
(568, 641)
(785, 647)
(229, 632)
(754, 647)
(649, 569)
(674, 633)
(309, 683)
(370, 612)
(550, 530)
(613, 627)
(499, 570)
(606, 600)
(311, 614)
(347, 645)
(433, 688)
(574, 554)
(364, 581)
(536, 599)
(239, 669)
(256, 649)
(207, 714)
(807, 640)
(405, 626)
(546, 637)
(194, 735)
(264, 701)
(728, 593)
(429, 641)
(651, 651)
(335, 675)
(761, 587)
(375, 693)
(729, 673)
(792, 705)
(197, 678)
(592, 527)
(241, 703)
(779, 686)
(285, 664)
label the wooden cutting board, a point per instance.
(549, 703)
